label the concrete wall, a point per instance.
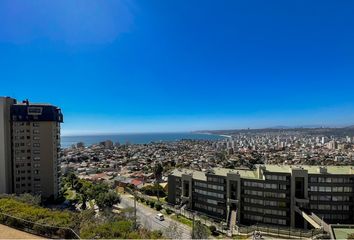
(48, 169)
(5, 145)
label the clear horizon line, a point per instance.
(199, 131)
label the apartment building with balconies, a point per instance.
(288, 196)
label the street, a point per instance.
(146, 217)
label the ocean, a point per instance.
(141, 138)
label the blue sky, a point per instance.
(157, 65)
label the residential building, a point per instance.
(288, 196)
(29, 147)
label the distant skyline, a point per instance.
(135, 66)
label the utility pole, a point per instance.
(158, 190)
(135, 223)
(132, 192)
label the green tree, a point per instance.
(158, 206)
(72, 179)
(83, 188)
(97, 189)
(110, 230)
(153, 190)
(107, 200)
(200, 231)
(158, 170)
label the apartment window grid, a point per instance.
(217, 180)
(210, 194)
(262, 202)
(274, 212)
(334, 189)
(334, 217)
(22, 157)
(330, 198)
(331, 180)
(255, 218)
(204, 207)
(276, 177)
(208, 186)
(263, 185)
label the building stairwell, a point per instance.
(232, 222)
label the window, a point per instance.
(274, 195)
(348, 189)
(253, 184)
(209, 208)
(276, 177)
(313, 179)
(324, 198)
(321, 180)
(254, 201)
(205, 185)
(212, 194)
(215, 179)
(34, 111)
(337, 189)
(212, 201)
(324, 207)
(254, 193)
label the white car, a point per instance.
(160, 217)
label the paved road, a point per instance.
(146, 216)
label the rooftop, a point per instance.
(252, 174)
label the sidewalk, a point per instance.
(11, 233)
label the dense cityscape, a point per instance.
(288, 147)
(132, 119)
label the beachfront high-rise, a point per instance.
(29, 147)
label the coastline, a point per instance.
(67, 141)
(208, 133)
(227, 136)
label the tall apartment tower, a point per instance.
(29, 148)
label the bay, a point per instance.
(136, 138)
